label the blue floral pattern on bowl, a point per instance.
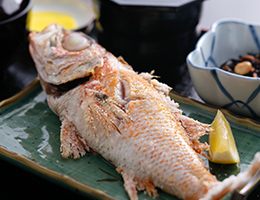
(226, 39)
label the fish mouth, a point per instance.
(59, 90)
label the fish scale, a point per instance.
(126, 117)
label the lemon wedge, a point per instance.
(223, 149)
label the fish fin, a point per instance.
(150, 189)
(132, 183)
(129, 184)
(105, 109)
(71, 143)
(232, 183)
(125, 64)
(195, 130)
(160, 87)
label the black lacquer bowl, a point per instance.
(13, 32)
(149, 37)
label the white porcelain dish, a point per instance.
(81, 10)
(228, 38)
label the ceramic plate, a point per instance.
(29, 133)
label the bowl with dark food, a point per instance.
(13, 33)
(225, 65)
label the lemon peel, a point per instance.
(223, 149)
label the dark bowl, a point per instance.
(13, 32)
(150, 37)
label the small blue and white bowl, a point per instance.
(226, 39)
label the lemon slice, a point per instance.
(223, 148)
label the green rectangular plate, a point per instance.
(29, 133)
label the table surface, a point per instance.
(17, 183)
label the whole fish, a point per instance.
(108, 108)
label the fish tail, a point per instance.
(233, 183)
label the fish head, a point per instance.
(61, 56)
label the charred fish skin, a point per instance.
(124, 116)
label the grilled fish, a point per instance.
(127, 117)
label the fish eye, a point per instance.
(76, 42)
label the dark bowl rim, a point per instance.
(18, 15)
(156, 7)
